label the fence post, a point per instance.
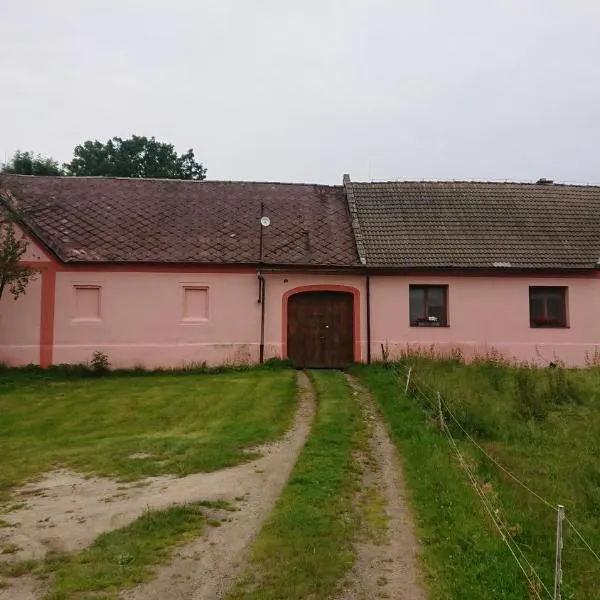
(440, 412)
(560, 515)
(407, 380)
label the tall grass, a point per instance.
(543, 425)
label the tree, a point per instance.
(14, 275)
(28, 163)
(137, 156)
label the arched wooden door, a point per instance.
(320, 329)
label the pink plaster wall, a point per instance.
(34, 251)
(20, 326)
(142, 319)
(20, 319)
(486, 313)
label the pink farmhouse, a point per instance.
(169, 273)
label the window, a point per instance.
(195, 303)
(87, 302)
(428, 305)
(548, 306)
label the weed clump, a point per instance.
(99, 365)
(561, 388)
(531, 402)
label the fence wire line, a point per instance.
(576, 531)
(483, 451)
(505, 525)
(432, 404)
(504, 533)
(514, 477)
(500, 525)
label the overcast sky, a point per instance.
(308, 90)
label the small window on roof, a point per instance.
(548, 306)
(428, 305)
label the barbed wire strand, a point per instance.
(483, 451)
(512, 537)
(500, 525)
(580, 536)
(433, 405)
(505, 470)
(505, 535)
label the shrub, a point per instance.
(99, 365)
(277, 363)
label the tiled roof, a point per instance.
(464, 225)
(96, 219)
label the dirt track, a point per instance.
(386, 560)
(206, 568)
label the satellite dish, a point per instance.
(265, 221)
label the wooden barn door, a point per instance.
(320, 329)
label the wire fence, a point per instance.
(435, 407)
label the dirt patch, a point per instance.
(208, 567)
(23, 588)
(65, 511)
(386, 557)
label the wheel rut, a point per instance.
(208, 567)
(386, 563)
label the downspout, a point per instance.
(261, 291)
(262, 284)
(368, 291)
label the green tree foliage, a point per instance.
(137, 156)
(14, 276)
(28, 163)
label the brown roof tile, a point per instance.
(470, 224)
(97, 219)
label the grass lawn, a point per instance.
(544, 427)
(186, 423)
(305, 548)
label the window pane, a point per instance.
(417, 304)
(428, 305)
(555, 307)
(436, 305)
(536, 306)
(435, 297)
(547, 307)
(438, 312)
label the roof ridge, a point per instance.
(476, 182)
(166, 179)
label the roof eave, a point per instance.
(500, 271)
